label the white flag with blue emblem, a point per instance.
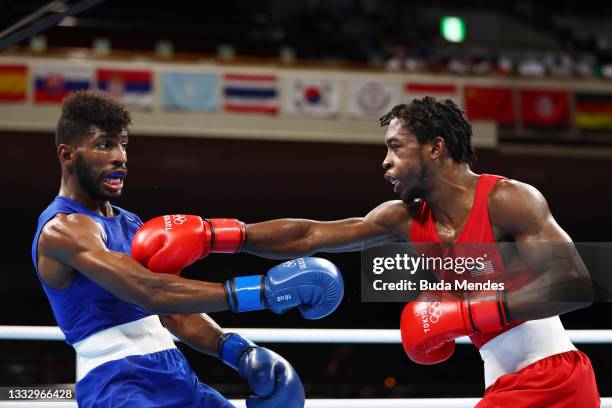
(190, 91)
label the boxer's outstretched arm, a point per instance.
(285, 238)
(198, 331)
(561, 282)
(74, 241)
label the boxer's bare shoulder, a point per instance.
(393, 215)
(60, 237)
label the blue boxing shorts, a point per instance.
(162, 379)
(136, 364)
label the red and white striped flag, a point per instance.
(440, 91)
(250, 93)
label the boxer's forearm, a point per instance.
(158, 293)
(169, 294)
(198, 331)
(279, 239)
(290, 238)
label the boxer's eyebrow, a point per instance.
(392, 139)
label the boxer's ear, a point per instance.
(438, 145)
(66, 154)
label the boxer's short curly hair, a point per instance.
(428, 118)
(82, 109)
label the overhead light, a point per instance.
(101, 45)
(452, 29)
(164, 48)
(38, 43)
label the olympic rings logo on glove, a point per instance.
(434, 312)
(179, 219)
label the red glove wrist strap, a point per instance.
(488, 315)
(228, 235)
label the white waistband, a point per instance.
(139, 337)
(522, 345)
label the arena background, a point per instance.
(259, 176)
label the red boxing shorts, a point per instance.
(564, 380)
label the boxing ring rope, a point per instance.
(324, 403)
(314, 403)
(274, 335)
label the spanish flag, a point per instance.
(593, 110)
(13, 82)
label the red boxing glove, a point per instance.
(429, 328)
(170, 243)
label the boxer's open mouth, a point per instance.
(395, 181)
(114, 180)
(391, 179)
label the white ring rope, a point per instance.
(272, 335)
(321, 403)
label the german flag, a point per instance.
(13, 83)
(593, 110)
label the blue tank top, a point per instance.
(83, 307)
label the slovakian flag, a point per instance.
(133, 87)
(438, 91)
(489, 103)
(53, 82)
(544, 108)
(319, 97)
(13, 83)
(250, 93)
(368, 99)
(593, 110)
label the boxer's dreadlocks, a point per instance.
(82, 109)
(428, 118)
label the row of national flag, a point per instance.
(51, 83)
(306, 96)
(538, 107)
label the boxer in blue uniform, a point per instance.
(118, 315)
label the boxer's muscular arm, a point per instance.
(299, 237)
(198, 331)
(74, 241)
(521, 211)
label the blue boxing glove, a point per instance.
(272, 379)
(314, 285)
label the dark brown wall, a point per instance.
(257, 180)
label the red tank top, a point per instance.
(477, 229)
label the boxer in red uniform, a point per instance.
(529, 360)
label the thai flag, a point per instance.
(53, 82)
(251, 93)
(132, 87)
